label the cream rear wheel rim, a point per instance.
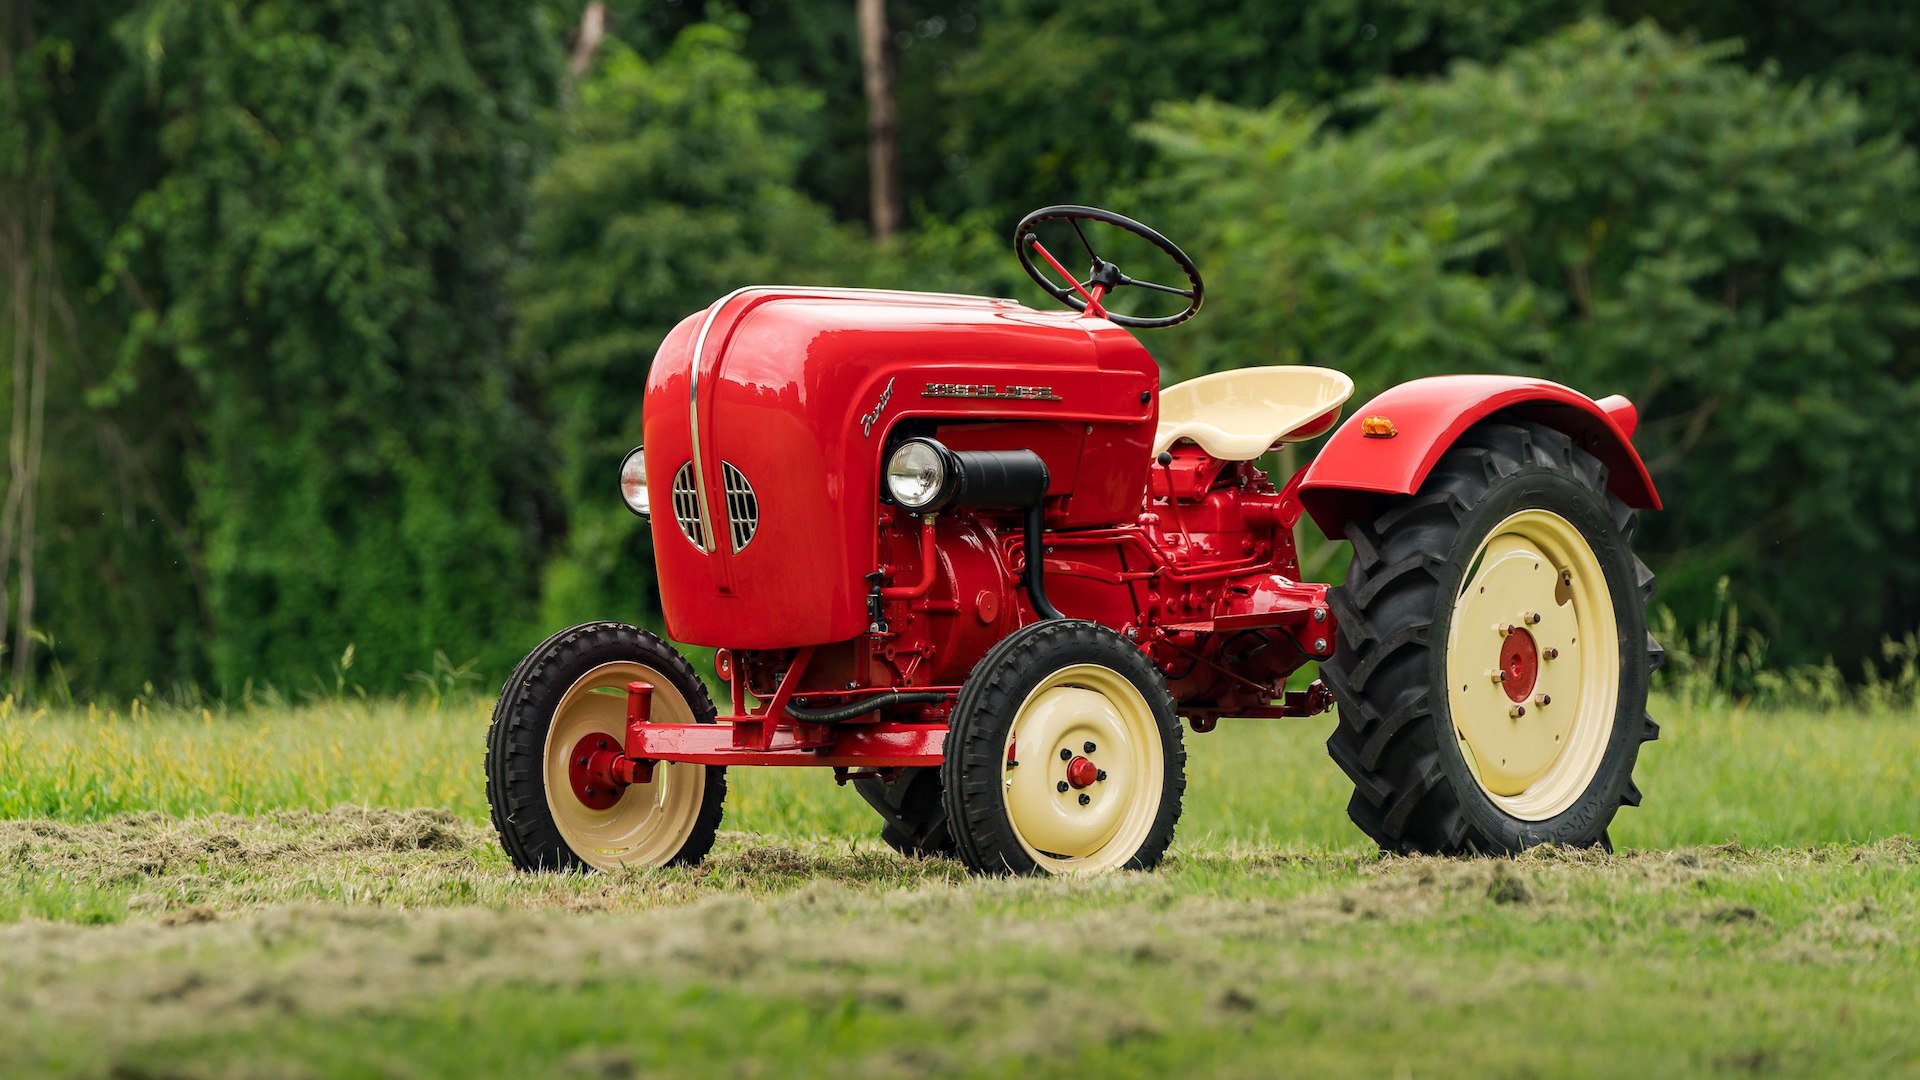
(650, 823)
(1534, 579)
(1078, 706)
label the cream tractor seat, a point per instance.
(1239, 415)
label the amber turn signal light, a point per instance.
(1378, 427)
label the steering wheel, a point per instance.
(1104, 278)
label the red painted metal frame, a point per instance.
(872, 746)
(1353, 472)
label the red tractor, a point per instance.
(976, 560)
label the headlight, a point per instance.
(920, 474)
(633, 483)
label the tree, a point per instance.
(318, 254)
(883, 123)
(1626, 213)
(675, 185)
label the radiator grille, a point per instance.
(743, 507)
(686, 509)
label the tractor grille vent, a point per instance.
(743, 508)
(686, 508)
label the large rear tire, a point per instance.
(1063, 756)
(569, 695)
(1493, 657)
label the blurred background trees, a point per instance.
(326, 322)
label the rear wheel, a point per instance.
(567, 700)
(1063, 756)
(1493, 660)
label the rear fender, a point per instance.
(1355, 472)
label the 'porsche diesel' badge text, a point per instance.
(989, 390)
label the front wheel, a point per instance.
(1493, 660)
(1063, 756)
(565, 701)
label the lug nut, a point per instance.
(1552, 654)
(1499, 676)
(1085, 798)
(1504, 629)
(582, 762)
(1533, 618)
(1099, 776)
(1086, 747)
(1517, 712)
(1061, 787)
(1066, 754)
(1543, 700)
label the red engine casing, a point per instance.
(796, 390)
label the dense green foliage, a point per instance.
(675, 186)
(1626, 215)
(311, 272)
(347, 305)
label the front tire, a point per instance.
(1063, 756)
(1493, 658)
(571, 693)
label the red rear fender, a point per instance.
(1355, 472)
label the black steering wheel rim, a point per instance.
(1106, 273)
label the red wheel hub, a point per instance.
(1519, 663)
(590, 769)
(1082, 772)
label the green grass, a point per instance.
(247, 894)
(1717, 774)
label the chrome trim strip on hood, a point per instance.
(693, 410)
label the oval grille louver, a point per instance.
(686, 509)
(743, 507)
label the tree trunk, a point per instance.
(586, 40)
(27, 261)
(883, 124)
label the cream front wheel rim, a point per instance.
(1075, 809)
(649, 823)
(1533, 665)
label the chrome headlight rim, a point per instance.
(937, 470)
(634, 494)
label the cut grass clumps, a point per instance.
(315, 892)
(785, 959)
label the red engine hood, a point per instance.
(791, 393)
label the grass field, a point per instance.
(313, 892)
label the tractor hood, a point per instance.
(767, 416)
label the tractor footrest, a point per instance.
(873, 746)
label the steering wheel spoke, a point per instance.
(1083, 240)
(1080, 295)
(1155, 286)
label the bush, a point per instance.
(675, 186)
(1626, 213)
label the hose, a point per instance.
(1036, 591)
(839, 713)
